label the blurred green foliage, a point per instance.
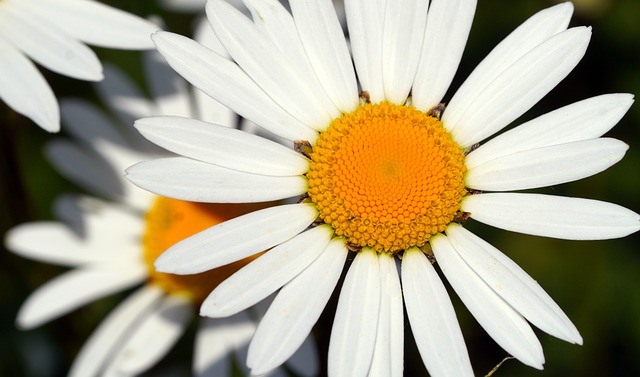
(596, 283)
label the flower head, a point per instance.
(382, 168)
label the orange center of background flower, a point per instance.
(170, 221)
(387, 177)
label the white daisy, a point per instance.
(387, 172)
(53, 33)
(112, 246)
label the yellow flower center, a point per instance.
(387, 177)
(170, 221)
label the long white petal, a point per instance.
(261, 59)
(75, 288)
(448, 26)
(236, 239)
(186, 179)
(356, 320)
(155, 336)
(508, 328)
(51, 242)
(227, 83)
(388, 355)
(215, 341)
(295, 310)
(520, 86)
(365, 20)
(268, 273)
(114, 330)
(432, 318)
(402, 39)
(537, 29)
(54, 50)
(546, 166)
(552, 216)
(126, 101)
(169, 91)
(274, 20)
(24, 89)
(583, 120)
(223, 146)
(324, 42)
(514, 285)
(97, 24)
(88, 170)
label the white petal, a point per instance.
(50, 242)
(324, 42)
(353, 335)
(123, 98)
(261, 59)
(546, 166)
(291, 316)
(552, 216)
(223, 80)
(403, 34)
(216, 339)
(114, 330)
(448, 26)
(169, 90)
(508, 328)
(223, 146)
(388, 355)
(88, 170)
(537, 29)
(432, 318)
(519, 87)
(51, 48)
(155, 336)
(236, 239)
(514, 285)
(274, 20)
(76, 288)
(365, 20)
(24, 89)
(583, 120)
(97, 24)
(186, 179)
(265, 275)
(88, 123)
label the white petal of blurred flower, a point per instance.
(54, 34)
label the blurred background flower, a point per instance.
(595, 283)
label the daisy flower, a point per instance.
(53, 33)
(111, 246)
(383, 170)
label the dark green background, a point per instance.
(596, 283)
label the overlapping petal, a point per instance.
(223, 80)
(432, 318)
(223, 146)
(356, 320)
(268, 273)
(514, 285)
(505, 325)
(292, 314)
